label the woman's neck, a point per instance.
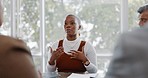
(71, 37)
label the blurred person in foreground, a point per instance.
(130, 59)
(15, 58)
(72, 54)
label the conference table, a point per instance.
(65, 75)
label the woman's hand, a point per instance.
(40, 74)
(78, 55)
(55, 54)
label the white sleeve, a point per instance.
(51, 68)
(90, 53)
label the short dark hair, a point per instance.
(79, 21)
(142, 9)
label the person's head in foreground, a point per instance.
(143, 15)
(131, 51)
(15, 58)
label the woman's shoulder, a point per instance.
(87, 45)
(87, 42)
(56, 43)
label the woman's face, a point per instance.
(71, 25)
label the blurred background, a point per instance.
(40, 23)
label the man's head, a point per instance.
(143, 17)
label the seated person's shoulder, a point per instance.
(8, 42)
(8, 39)
(4, 38)
(14, 54)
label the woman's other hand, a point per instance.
(55, 54)
(78, 55)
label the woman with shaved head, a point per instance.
(72, 54)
